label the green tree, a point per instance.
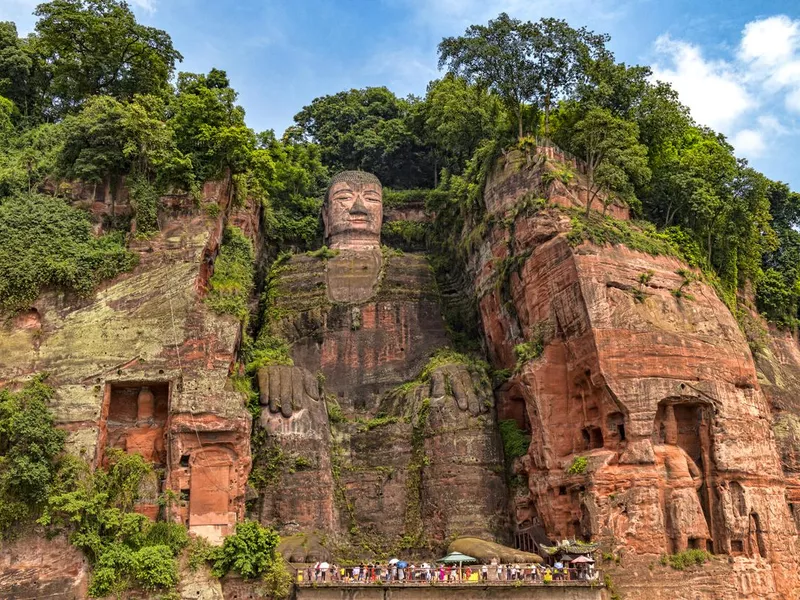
(290, 178)
(108, 140)
(124, 547)
(96, 47)
(560, 55)
(29, 158)
(615, 160)
(496, 56)
(24, 74)
(29, 445)
(368, 129)
(454, 119)
(209, 126)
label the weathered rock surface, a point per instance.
(34, 567)
(657, 393)
(415, 465)
(145, 330)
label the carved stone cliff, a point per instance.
(650, 430)
(143, 366)
(406, 460)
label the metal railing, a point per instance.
(347, 576)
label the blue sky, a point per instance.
(735, 63)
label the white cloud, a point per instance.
(749, 142)
(793, 100)
(712, 89)
(769, 41)
(748, 96)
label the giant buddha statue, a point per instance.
(353, 211)
(359, 445)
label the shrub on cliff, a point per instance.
(515, 440)
(248, 552)
(44, 243)
(125, 548)
(686, 558)
(29, 445)
(232, 281)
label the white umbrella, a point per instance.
(324, 566)
(394, 561)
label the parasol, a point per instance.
(582, 559)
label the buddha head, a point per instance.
(353, 211)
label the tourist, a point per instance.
(499, 572)
(484, 573)
(548, 576)
(356, 573)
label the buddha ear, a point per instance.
(325, 218)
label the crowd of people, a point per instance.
(323, 572)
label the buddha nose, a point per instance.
(358, 207)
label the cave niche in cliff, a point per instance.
(135, 417)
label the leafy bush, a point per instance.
(515, 440)
(232, 282)
(29, 446)
(335, 412)
(687, 558)
(144, 199)
(45, 242)
(777, 298)
(199, 552)
(528, 350)
(250, 552)
(124, 547)
(578, 466)
(268, 350)
(408, 235)
(448, 356)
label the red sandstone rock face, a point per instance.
(369, 323)
(148, 328)
(659, 395)
(34, 567)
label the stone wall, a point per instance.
(451, 592)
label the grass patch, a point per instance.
(232, 282)
(515, 440)
(380, 420)
(600, 230)
(687, 558)
(408, 235)
(578, 466)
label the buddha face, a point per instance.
(353, 212)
